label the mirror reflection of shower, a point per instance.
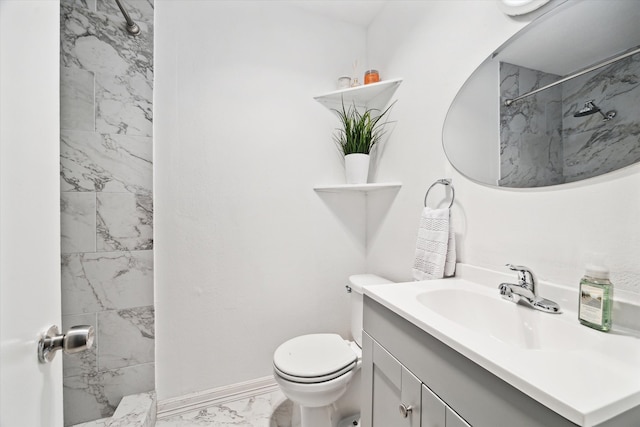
(591, 108)
(132, 27)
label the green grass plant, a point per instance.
(361, 129)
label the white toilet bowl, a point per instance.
(315, 371)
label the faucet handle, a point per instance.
(525, 276)
(518, 267)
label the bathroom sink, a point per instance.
(544, 355)
(491, 316)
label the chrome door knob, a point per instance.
(78, 338)
(405, 410)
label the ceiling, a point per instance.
(357, 12)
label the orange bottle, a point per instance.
(371, 76)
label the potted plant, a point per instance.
(360, 131)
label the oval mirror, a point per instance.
(558, 102)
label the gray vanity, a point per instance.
(403, 365)
(412, 378)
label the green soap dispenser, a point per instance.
(596, 298)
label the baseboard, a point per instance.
(215, 396)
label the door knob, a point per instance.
(405, 410)
(78, 338)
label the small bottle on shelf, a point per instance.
(371, 76)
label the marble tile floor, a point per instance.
(264, 410)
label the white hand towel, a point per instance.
(450, 259)
(432, 244)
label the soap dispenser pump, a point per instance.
(596, 298)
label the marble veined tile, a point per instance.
(94, 396)
(76, 99)
(530, 129)
(590, 154)
(84, 399)
(138, 410)
(124, 104)
(88, 4)
(573, 148)
(98, 42)
(109, 163)
(137, 9)
(124, 222)
(84, 362)
(77, 222)
(593, 146)
(102, 422)
(615, 87)
(101, 281)
(133, 326)
(265, 410)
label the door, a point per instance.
(433, 409)
(395, 392)
(30, 392)
(454, 420)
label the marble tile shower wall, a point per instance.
(106, 87)
(591, 146)
(542, 143)
(530, 129)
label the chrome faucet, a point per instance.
(526, 291)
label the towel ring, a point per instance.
(445, 182)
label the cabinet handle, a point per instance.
(405, 410)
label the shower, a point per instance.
(591, 108)
(132, 27)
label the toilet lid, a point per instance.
(316, 357)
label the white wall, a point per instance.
(247, 254)
(435, 46)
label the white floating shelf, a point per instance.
(373, 95)
(365, 188)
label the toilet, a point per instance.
(316, 370)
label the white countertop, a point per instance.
(587, 376)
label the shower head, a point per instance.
(588, 109)
(591, 108)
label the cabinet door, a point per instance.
(410, 397)
(454, 420)
(433, 409)
(393, 386)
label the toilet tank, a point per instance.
(356, 283)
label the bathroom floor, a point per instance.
(264, 410)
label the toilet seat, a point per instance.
(314, 380)
(314, 358)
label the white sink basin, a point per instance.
(494, 317)
(544, 355)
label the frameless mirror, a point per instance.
(556, 103)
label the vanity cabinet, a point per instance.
(402, 364)
(394, 386)
(396, 397)
(453, 419)
(436, 413)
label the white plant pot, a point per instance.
(356, 168)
